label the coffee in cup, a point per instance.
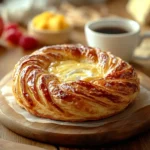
(120, 36)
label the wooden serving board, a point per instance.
(72, 135)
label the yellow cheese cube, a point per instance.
(57, 23)
(40, 21)
(42, 24)
(50, 21)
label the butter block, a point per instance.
(140, 10)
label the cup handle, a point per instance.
(141, 38)
(144, 36)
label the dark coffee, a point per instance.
(111, 30)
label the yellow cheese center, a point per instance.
(71, 70)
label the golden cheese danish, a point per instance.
(74, 83)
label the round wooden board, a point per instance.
(71, 135)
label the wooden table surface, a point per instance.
(8, 58)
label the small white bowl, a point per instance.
(49, 37)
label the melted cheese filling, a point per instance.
(71, 70)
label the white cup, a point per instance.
(121, 45)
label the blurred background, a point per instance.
(69, 14)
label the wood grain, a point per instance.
(7, 134)
(7, 145)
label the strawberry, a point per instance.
(1, 26)
(13, 36)
(11, 26)
(28, 42)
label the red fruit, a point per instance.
(11, 26)
(1, 26)
(13, 36)
(28, 42)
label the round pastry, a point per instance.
(74, 83)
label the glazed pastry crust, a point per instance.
(42, 94)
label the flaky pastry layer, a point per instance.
(43, 94)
